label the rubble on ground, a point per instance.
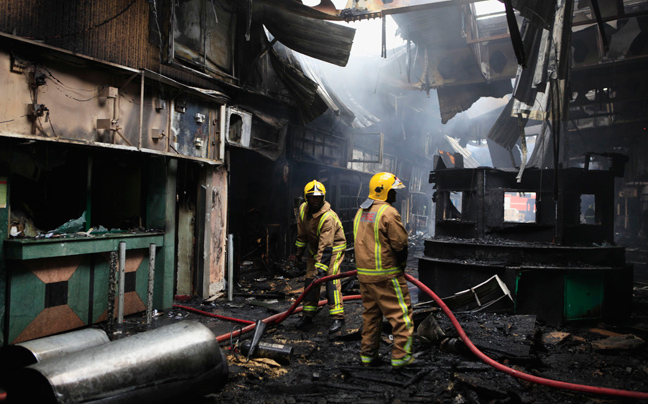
(325, 368)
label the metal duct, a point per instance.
(27, 353)
(168, 363)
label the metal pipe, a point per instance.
(230, 267)
(27, 353)
(151, 275)
(122, 281)
(168, 363)
(112, 291)
(141, 111)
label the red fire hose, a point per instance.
(206, 313)
(513, 372)
(278, 318)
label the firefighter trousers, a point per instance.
(333, 290)
(391, 299)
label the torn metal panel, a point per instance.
(363, 118)
(447, 52)
(531, 85)
(343, 105)
(456, 99)
(319, 39)
(532, 89)
(309, 103)
(543, 152)
(335, 104)
(505, 130)
(514, 32)
(623, 39)
(269, 120)
(538, 12)
(468, 160)
(269, 140)
(503, 158)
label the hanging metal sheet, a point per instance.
(322, 40)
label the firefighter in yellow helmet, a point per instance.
(320, 232)
(381, 256)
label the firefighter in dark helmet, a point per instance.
(320, 233)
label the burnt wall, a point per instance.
(119, 31)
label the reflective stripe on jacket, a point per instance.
(322, 234)
(379, 236)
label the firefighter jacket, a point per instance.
(380, 243)
(322, 234)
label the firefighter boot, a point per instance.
(303, 322)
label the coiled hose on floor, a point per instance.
(278, 318)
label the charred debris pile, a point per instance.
(311, 366)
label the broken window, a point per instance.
(350, 197)
(453, 205)
(201, 33)
(588, 209)
(320, 146)
(71, 191)
(195, 33)
(520, 207)
(366, 147)
(488, 9)
(366, 154)
(420, 211)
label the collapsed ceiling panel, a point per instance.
(309, 103)
(437, 29)
(324, 90)
(456, 99)
(462, 72)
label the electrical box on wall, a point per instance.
(238, 125)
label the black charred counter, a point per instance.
(556, 283)
(548, 237)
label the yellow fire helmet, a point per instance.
(381, 183)
(314, 188)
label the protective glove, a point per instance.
(319, 273)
